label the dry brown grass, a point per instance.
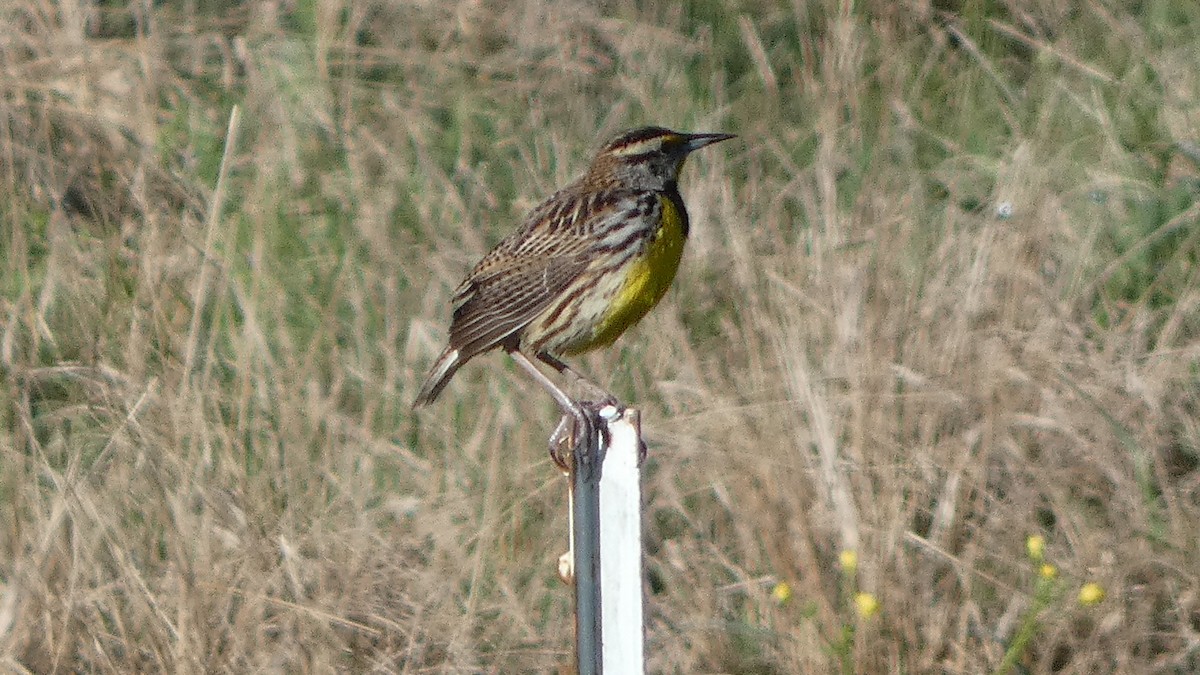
(211, 465)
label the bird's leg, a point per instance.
(576, 423)
(592, 392)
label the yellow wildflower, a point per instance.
(867, 604)
(781, 593)
(1091, 594)
(848, 559)
(1035, 545)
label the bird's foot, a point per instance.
(591, 394)
(573, 441)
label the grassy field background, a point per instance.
(941, 295)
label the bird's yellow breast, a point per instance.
(647, 280)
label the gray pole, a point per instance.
(585, 483)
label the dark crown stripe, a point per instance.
(638, 140)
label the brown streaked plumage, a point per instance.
(585, 265)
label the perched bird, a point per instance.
(586, 264)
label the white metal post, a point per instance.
(607, 544)
(622, 618)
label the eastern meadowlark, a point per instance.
(586, 264)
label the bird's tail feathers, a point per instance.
(439, 376)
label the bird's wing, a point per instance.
(527, 271)
(494, 307)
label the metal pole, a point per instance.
(623, 621)
(585, 485)
(606, 515)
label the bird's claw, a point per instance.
(571, 434)
(562, 442)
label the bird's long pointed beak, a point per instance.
(697, 141)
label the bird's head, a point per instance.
(649, 157)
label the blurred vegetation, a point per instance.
(940, 295)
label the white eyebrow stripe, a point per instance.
(639, 147)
